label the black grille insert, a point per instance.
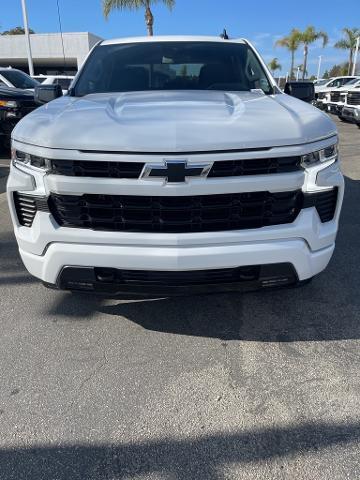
(87, 168)
(324, 202)
(256, 166)
(335, 96)
(26, 207)
(353, 98)
(132, 170)
(203, 213)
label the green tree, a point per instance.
(339, 70)
(16, 31)
(308, 36)
(274, 65)
(109, 5)
(349, 43)
(291, 42)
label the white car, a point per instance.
(336, 98)
(11, 77)
(63, 80)
(175, 164)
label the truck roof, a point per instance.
(171, 38)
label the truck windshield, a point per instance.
(19, 79)
(183, 65)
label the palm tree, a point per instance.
(349, 43)
(291, 42)
(109, 5)
(308, 36)
(274, 65)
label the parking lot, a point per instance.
(233, 386)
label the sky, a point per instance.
(262, 22)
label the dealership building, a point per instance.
(52, 53)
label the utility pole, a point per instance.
(27, 38)
(355, 56)
(319, 66)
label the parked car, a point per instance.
(337, 97)
(14, 104)
(351, 108)
(13, 78)
(174, 165)
(322, 92)
(63, 80)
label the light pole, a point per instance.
(355, 55)
(297, 73)
(319, 66)
(27, 38)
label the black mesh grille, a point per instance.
(353, 98)
(176, 214)
(86, 168)
(259, 166)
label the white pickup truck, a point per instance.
(322, 91)
(351, 107)
(174, 164)
(337, 97)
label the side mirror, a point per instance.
(302, 90)
(46, 93)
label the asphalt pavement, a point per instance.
(261, 385)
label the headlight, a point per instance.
(8, 103)
(328, 154)
(22, 158)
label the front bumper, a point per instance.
(335, 108)
(306, 244)
(351, 114)
(294, 251)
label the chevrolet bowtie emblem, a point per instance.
(175, 171)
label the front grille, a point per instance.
(258, 166)
(86, 168)
(132, 170)
(324, 202)
(203, 213)
(26, 207)
(178, 278)
(117, 281)
(353, 98)
(335, 96)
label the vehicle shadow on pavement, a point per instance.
(326, 309)
(201, 458)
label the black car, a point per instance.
(14, 104)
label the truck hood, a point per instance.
(173, 121)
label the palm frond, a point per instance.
(109, 5)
